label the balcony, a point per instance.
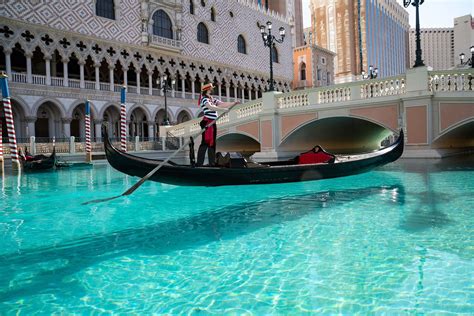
(165, 43)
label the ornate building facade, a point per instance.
(59, 53)
(362, 33)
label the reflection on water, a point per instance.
(395, 240)
(190, 232)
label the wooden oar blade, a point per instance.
(101, 200)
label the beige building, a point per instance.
(56, 56)
(362, 33)
(441, 47)
(313, 65)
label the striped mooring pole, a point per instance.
(123, 120)
(7, 108)
(88, 132)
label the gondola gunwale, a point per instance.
(177, 174)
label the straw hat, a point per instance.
(207, 86)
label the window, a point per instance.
(274, 54)
(162, 24)
(203, 33)
(241, 47)
(303, 71)
(191, 7)
(319, 74)
(203, 3)
(105, 8)
(213, 15)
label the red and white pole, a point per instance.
(123, 120)
(88, 132)
(7, 108)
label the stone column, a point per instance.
(47, 61)
(183, 87)
(235, 93)
(151, 129)
(82, 84)
(111, 77)
(227, 91)
(66, 126)
(173, 91)
(219, 89)
(66, 74)
(30, 125)
(29, 74)
(150, 82)
(138, 81)
(97, 77)
(193, 89)
(250, 94)
(125, 76)
(98, 129)
(243, 95)
(8, 62)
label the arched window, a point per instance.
(241, 46)
(213, 14)
(162, 24)
(203, 33)
(105, 8)
(191, 7)
(274, 54)
(303, 71)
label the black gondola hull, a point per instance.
(39, 164)
(264, 174)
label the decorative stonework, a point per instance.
(79, 17)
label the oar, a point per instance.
(152, 172)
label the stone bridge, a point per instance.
(435, 109)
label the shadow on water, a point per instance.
(42, 270)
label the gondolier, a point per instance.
(209, 106)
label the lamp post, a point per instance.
(163, 83)
(372, 74)
(469, 61)
(269, 41)
(416, 4)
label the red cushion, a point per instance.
(312, 157)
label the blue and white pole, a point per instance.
(88, 132)
(123, 120)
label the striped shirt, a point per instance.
(208, 112)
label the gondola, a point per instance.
(39, 162)
(262, 173)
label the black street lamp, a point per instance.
(469, 61)
(165, 87)
(372, 74)
(416, 4)
(269, 41)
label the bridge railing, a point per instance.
(436, 81)
(451, 80)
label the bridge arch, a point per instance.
(237, 142)
(339, 134)
(458, 135)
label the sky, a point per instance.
(433, 13)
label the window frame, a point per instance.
(241, 44)
(112, 11)
(200, 34)
(162, 14)
(303, 71)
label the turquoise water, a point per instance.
(398, 240)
